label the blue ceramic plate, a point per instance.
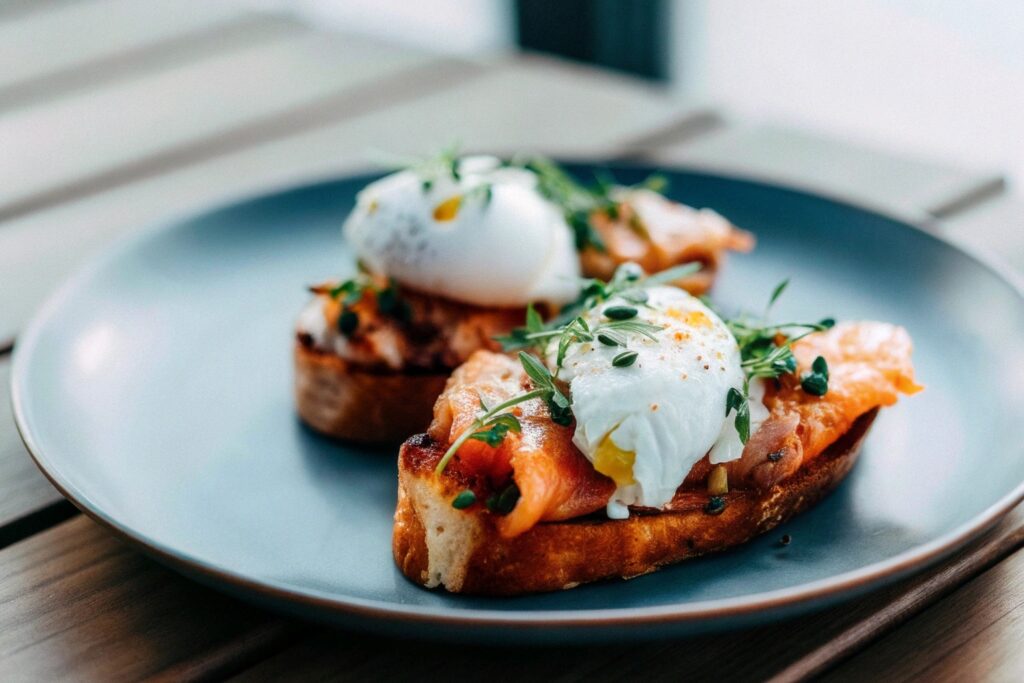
(155, 391)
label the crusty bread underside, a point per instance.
(347, 403)
(469, 556)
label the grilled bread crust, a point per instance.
(341, 400)
(436, 545)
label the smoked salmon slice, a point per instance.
(869, 367)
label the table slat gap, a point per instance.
(28, 503)
(76, 602)
(767, 650)
(973, 634)
(31, 523)
(952, 576)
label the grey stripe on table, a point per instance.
(886, 180)
(19, 9)
(240, 32)
(79, 145)
(350, 101)
(67, 36)
(994, 228)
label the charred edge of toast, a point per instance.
(471, 557)
(340, 400)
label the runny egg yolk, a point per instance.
(614, 463)
(448, 209)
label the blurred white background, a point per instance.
(937, 79)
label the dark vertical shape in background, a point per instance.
(626, 35)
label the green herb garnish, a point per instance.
(351, 291)
(348, 321)
(497, 428)
(627, 282)
(620, 312)
(502, 502)
(610, 339)
(493, 424)
(766, 353)
(625, 359)
(740, 402)
(715, 506)
(464, 500)
(815, 382)
(558, 403)
(579, 201)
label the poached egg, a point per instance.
(646, 425)
(483, 235)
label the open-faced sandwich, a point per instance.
(450, 252)
(643, 431)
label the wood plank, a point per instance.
(70, 35)
(786, 650)
(85, 143)
(877, 178)
(506, 109)
(973, 635)
(28, 502)
(77, 603)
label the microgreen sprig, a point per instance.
(815, 381)
(493, 424)
(351, 291)
(579, 201)
(486, 422)
(617, 323)
(766, 352)
(628, 282)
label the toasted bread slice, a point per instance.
(436, 545)
(347, 402)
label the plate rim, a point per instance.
(802, 595)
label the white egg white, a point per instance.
(506, 246)
(669, 407)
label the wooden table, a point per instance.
(118, 113)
